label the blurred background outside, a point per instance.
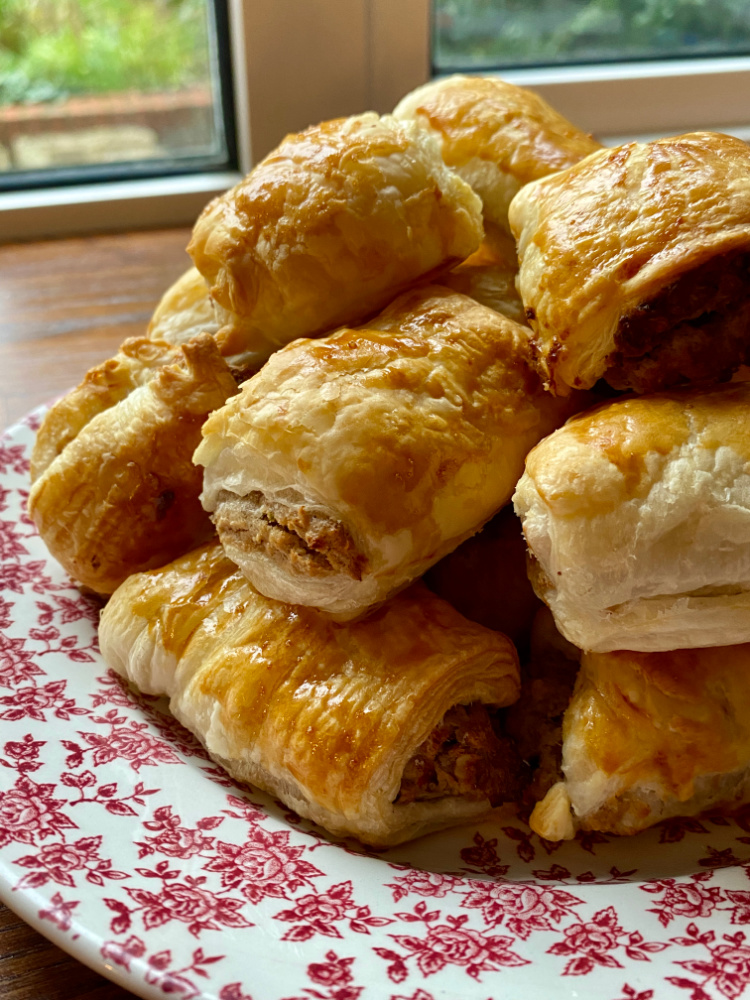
(107, 81)
(141, 85)
(486, 34)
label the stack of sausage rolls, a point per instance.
(392, 325)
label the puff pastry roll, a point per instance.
(329, 228)
(634, 264)
(187, 309)
(489, 275)
(184, 311)
(648, 736)
(349, 465)
(637, 517)
(115, 490)
(103, 386)
(380, 729)
(495, 135)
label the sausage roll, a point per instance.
(648, 736)
(349, 465)
(635, 264)
(381, 729)
(184, 311)
(489, 275)
(115, 490)
(637, 517)
(329, 228)
(495, 135)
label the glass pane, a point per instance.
(483, 34)
(85, 83)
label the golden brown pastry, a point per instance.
(637, 516)
(648, 736)
(378, 729)
(184, 311)
(495, 135)
(635, 262)
(329, 228)
(489, 275)
(114, 488)
(103, 386)
(351, 464)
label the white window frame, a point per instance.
(301, 61)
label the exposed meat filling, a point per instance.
(288, 533)
(465, 755)
(695, 330)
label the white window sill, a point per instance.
(123, 205)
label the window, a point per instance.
(618, 68)
(480, 35)
(300, 61)
(98, 97)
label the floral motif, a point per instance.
(483, 857)
(266, 865)
(16, 663)
(158, 971)
(527, 907)
(335, 975)
(32, 702)
(422, 883)
(28, 813)
(25, 753)
(131, 742)
(10, 544)
(683, 899)
(449, 943)
(727, 968)
(13, 459)
(174, 840)
(592, 943)
(59, 912)
(56, 862)
(319, 913)
(187, 902)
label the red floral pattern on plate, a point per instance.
(119, 838)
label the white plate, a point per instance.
(122, 843)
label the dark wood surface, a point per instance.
(64, 306)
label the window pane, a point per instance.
(88, 83)
(483, 34)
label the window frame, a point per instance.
(355, 55)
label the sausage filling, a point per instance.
(695, 330)
(288, 533)
(465, 756)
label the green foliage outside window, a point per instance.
(51, 49)
(485, 33)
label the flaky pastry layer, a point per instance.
(350, 464)
(495, 135)
(323, 715)
(330, 227)
(648, 736)
(115, 490)
(634, 264)
(637, 518)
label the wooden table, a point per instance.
(64, 306)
